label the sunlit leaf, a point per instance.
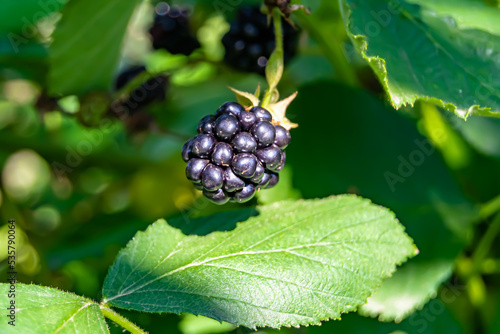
(46, 310)
(419, 54)
(273, 270)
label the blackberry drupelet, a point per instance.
(171, 31)
(236, 153)
(250, 41)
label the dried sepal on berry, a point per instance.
(257, 91)
(278, 110)
(247, 100)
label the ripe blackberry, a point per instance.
(250, 41)
(171, 31)
(235, 153)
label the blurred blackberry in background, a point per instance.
(128, 75)
(235, 153)
(282, 5)
(171, 31)
(250, 41)
(132, 109)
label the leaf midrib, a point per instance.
(299, 221)
(190, 265)
(219, 297)
(71, 318)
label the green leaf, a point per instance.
(466, 13)
(482, 134)
(495, 326)
(433, 319)
(193, 75)
(409, 288)
(191, 324)
(418, 54)
(27, 58)
(297, 263)
(21, 16)
(378, 153)
(46, 310)
(87, 45)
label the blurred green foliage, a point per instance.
(79, 193)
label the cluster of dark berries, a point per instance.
(235, 153)
(131, 110)
(171, 31)
(250, 41)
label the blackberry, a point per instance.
(171, 31)
(226, 126)
(244, 165)
(222, 154)
(202, 145)
(194, 169)
(131, 109)
(247, 120)
(250, 41)
(264, 133)
(282, 137)
(127, 75)
(270, 156)
(244, 142)
(212, 178)
(235, 153)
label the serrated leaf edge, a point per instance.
(317, 322)
(378, 65)
(430, 295)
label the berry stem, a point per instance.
(120, 320)
(274, 68)
(485, 244)
(278, 31)
(489, 208)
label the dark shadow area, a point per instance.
(223, 221)
(364, 147)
